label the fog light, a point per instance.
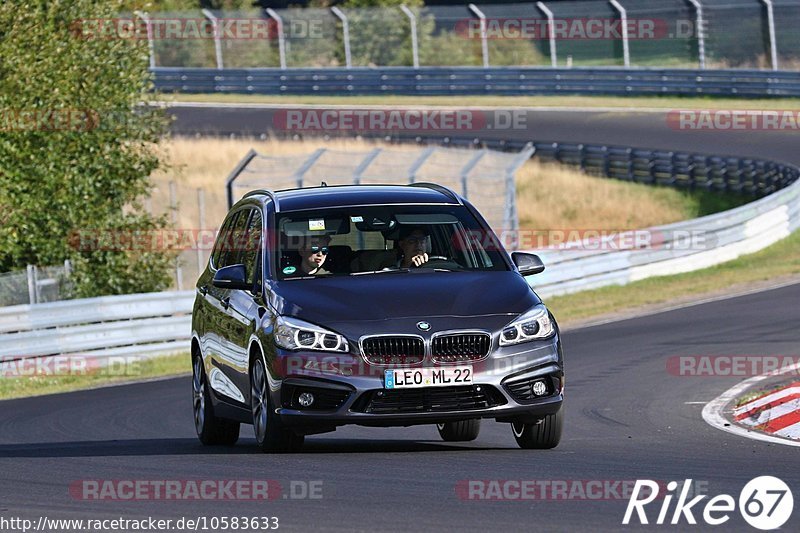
(306, 399)
(539, 388)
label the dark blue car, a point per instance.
(370, 305)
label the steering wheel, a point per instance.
(437, 257)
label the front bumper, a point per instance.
(360, 397)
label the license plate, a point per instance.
(409, 378)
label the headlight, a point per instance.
(295, 334)
(534, 324)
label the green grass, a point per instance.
(780, 259)
(148, 368)
(666, 102)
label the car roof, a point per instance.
(347, 195)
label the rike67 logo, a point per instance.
(765, 503)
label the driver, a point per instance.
(313, 253)
(414, 247)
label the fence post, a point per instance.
(173, 208)
(235, 174)
(31, 271)
(700, 29)
(281, 38)
(362, 167)
(623, 17)
(306, 166)
(412, 19)
(484, 38)
(217, 42)
(511, 218)
(345, 34)
(466, 169)
(416, 165)
(551, 32)
(773, 45)
(201, 228)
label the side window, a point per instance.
(221, 246)
(238, 243)
(251, 255)
(232, 240)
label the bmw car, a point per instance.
(379, 305)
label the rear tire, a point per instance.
(272, 436)
(211, 430)
(542, 436)
(461, 431)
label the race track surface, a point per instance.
(620, 127)
(627, 418)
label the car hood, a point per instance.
(402, 295)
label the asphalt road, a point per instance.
(624, 128)
(627, 418)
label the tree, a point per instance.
(76, 145)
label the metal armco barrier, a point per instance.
(129, 325)
(476, 81)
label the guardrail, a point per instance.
(479, 81)
(129, 325)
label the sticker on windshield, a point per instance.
(316, 224)
(289, 270)
(356, 219)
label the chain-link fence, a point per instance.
(652, 33)
(35, 285)
(484, 177)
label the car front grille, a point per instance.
(393, 350)
(428, 400)
(460, 347)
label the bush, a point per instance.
(76, 146)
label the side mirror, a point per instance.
(527, 264)
(232, 277)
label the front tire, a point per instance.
(461, 431)
(211, 430)
(272, 436)
(542, 436)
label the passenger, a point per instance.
(413, 246)
(313, 253)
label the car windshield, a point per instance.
(376, 240)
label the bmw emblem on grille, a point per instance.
(424, 326)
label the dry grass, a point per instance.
(552, 196)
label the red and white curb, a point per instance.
(777, 412)
(773, 417)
